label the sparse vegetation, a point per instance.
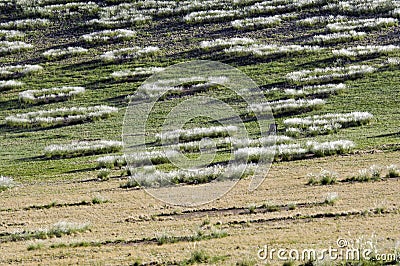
(57, 230)
(246, 263)
(325, 124)
(35, 246)
(197, 236)
(7, 47)
(55, 204)
(128, 53)
(366, 175)
(374, 173)
(325, 177)
(339, 37)
(50, 95)
(393, 171)
(200, 256)
(131, 183)
(108, 35)
(17, 71)
(252, 209)
(99, 200)
(329, 74)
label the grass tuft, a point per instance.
(57, 230)
(325, 177)
(6, 183)
(103, 174)
(331, 198)
(36, 246)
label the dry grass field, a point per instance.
(132, 226)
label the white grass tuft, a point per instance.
(210, 16)
(361, 7)
(129, 53)
(329, 74)
(321, 20)
(26, 24)
(365, 50)
(294, 151)
(338, 37)
(50, 95)
(63, 52)
(7, 47)
(64, 10)
(223, 43)
(11, 35)
(6, 182)
(270, 49)
(60, 116)
(258, 22)
(286, 106)
(81, 148)
(315, 90)
(160, 87)
(19, 70)
(393, 61)
(195, 133)
(325, 124)
(138, 72)
(124, 14)
(360, 24)
(155, 178)
(108, 35)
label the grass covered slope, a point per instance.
(179, 41)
